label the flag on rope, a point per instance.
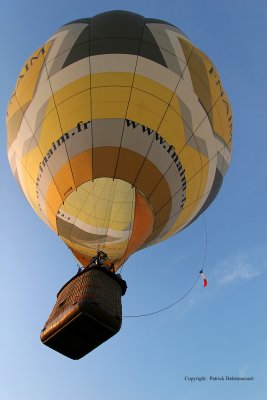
(205, 282)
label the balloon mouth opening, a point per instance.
(104, 214)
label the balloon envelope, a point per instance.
(119, 133)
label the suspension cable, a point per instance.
(188, 291)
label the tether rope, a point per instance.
(188, 291)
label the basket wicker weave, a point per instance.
(87, 313)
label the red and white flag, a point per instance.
(205, 282)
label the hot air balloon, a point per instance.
(119, 133)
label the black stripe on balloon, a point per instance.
(109, 36)
(79, 49)
(217, 183)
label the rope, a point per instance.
(165, 308)
(188, 291)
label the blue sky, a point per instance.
(217, 331)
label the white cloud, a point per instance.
(237, 269)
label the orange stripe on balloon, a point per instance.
(81, 166)
(142, 226)
(82, 259)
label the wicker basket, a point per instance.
(86, 314)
